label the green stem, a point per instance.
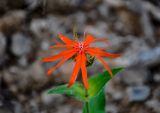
(87, 107)
(87, 103)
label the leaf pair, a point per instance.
(95, 94)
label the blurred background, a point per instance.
(29, 27)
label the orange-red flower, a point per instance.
(80, 50)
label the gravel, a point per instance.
(29, 27)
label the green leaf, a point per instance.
(97, 83)
(77, 91)
(96, 104)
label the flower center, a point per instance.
(81, 47)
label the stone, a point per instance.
(37, 74)
(72, 5)
(23, 61)
(39, 27)
(157, 77)
(17, 78)
(45, 45)
(103, 10)
(147, 26)
(3, 44)
(21, 44)
(155, 11)
(135, 6)
(33, 106)
(156, 93)
(50, 100)
(149, 58)
(66, 109)
(111, 108)
(118, 95)
(98, 30)
(77, 111)
(55, 25)
(80, 20)
(48, 27)
(153, 104)
(5, 110)
(17, 107)
(14, 5)
(92, 15)
(3, 4)
(33, 4)
(134, 76)
(12, 21)
(138, 93)
(115, 3)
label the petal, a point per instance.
(90, 39)
(56, 57)
(60, 46)
(61, 62)
(75, 71)
(99, 52)
(84, 71)
(111, 55)
(66, 39)
(106, 66)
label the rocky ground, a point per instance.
(29, 27)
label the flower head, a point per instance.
(79, 50)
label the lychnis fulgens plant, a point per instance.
(92, 90)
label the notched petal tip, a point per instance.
(44, 60)
(118, 55)
(110, 73)
(49, 72)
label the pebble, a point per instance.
(138, 93)
(156, 93)
(118, 95)
(80, 20)
(50, 100)
(134, 76)
(103, 10)
(21, 44)
(32, 4)
(12, 21)
(55, 25)
(23, 62)
(111, 108)
(64, 109)
(5, 110)
(98, 30)
(150, 58)
(51, 25)
(17, 107)
(3, 43)
(115, 3)
(72, 5)
(153, 104)
(157, 77)
(39, 27)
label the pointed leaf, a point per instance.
(77, 91)
(97, 82)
